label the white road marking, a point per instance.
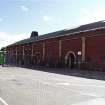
(72, 84)
(63, 83)
(97, 101)
(76, 91)
(3, 101)
(68, 83)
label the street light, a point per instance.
(79, 53)
(79, 58)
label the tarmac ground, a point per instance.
(22, 86)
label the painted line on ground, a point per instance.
(3, 101)
(68, 89)
(84, 85)
(97, 101)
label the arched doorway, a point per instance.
(70, 59)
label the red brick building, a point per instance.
(83, 47)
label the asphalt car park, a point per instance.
(22, 86)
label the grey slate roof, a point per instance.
(86, 27)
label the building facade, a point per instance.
(81, 47)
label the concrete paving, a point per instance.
(20, 86)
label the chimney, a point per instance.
(34, 34)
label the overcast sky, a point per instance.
(18, 18)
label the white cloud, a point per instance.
(24, 8)
(88, 16)
(47, 18)
(6, 39)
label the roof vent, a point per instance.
(34, 34)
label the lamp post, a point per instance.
(79, 59)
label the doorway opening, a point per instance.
(70, 59)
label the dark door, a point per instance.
(70, 61)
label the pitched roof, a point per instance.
(82, 28)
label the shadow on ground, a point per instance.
(99, 75)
